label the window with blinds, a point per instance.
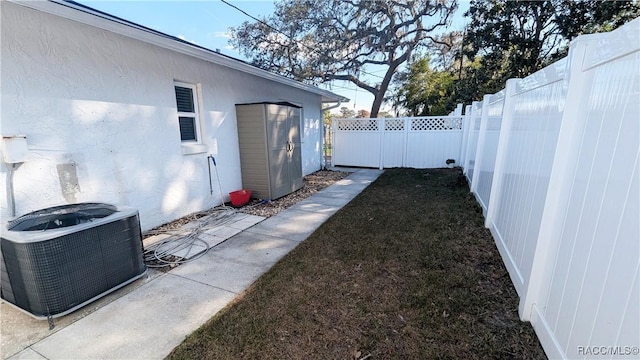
(187, 112)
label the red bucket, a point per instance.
(240, 197)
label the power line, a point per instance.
(254, 18)
(282, 33)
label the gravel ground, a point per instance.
(312, 184)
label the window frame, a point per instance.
(195, 114)
(196, 146)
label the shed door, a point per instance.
(278, 130)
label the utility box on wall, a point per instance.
(270, 153)
(14, 149)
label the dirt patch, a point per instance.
(406, 270)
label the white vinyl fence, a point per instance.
(418, 142)
(473, 121)
(554, 161)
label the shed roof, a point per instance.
(93, 17)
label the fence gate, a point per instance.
(417, 142)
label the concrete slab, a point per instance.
(348, 169)
(291, 224)
(367, 173)
(27, 354)
(246, 222)
(150, 240)
(220, 272)
(145, 324)
(187, 250)
(19, 330)
(211, 234)
(211, 240)
(349, 187)
(326, 205)
(331, 199)
(231, 216)
(224, 232)
(253, 248)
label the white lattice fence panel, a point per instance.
(435, 124)
(394, 124)
(357, 125)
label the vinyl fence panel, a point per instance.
(586, 289)
(356, 142)
(433, 140)
(487, 147)
(472, 140)
(466, 120)
(418, 142)
(526, 158)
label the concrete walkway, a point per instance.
(148, 318)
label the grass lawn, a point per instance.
(404, 271)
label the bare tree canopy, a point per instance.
(324, 40)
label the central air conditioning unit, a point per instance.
(59, 259)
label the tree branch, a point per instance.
(354, 80)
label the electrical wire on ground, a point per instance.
(178, 247)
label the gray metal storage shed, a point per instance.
(270, 154)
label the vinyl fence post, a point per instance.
(465, 137)
(458, 111)
(334, 127)
(407, 127)
(381, 130)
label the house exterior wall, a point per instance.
(99, 113)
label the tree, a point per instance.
(346, 113)
(517, 38)
(385, 114)
(326, 40)
(327, 116)
(363, 114)
(424, 91)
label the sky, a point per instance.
(207, 22)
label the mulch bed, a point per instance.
(404, 271)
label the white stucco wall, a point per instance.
(99, 113)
